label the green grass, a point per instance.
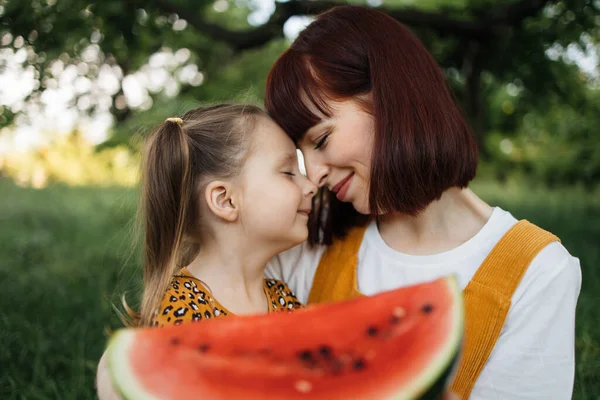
(65, 256)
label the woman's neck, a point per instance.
(445, 224)
(234, 274)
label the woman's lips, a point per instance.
(341, 188)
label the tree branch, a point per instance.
(238, 40)
(410, 16)
(442, 23)
(516, 12)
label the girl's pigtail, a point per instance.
(165, 201)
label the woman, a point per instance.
(381, 135)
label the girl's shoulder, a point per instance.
(296, 267)
(186, 299)
(281, 296)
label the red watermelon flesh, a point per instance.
(400, 344)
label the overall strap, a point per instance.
(487, 298)
(335, 278)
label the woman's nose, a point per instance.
(316, 172)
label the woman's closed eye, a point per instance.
(322, 141)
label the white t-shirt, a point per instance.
(534, 357)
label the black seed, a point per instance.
(305, 355)
(203, 348)
(358, 364)
(372, 331)
(394, 320)
(174, 341)
(325, 351)
(427, 308)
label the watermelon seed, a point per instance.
(307, 358)
(372, 331)
(358, 365)
(203, 348)
(305, 355)
(174, 341)
(325, 351)
(303, 386)
(427, 308)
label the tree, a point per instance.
(480, 43)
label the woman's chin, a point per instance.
(361, 207)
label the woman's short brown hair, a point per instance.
(423, 144)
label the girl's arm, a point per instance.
(104, 386)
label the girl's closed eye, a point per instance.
(289, 173)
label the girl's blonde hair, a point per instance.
(178, 155)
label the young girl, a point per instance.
(221, 195)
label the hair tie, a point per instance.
(175, 120)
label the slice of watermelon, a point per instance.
(401, 344)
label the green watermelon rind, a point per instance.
(118, 366)
(434, 379)
(431, 382)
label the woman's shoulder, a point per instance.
(552, 271)
(553, 268)
(552, 260)
(185, 300)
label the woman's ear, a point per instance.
(220, 201)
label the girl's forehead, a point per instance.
(270, 138)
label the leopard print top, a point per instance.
(187, 299)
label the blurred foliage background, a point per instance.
(526, 72)
(82, 80)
